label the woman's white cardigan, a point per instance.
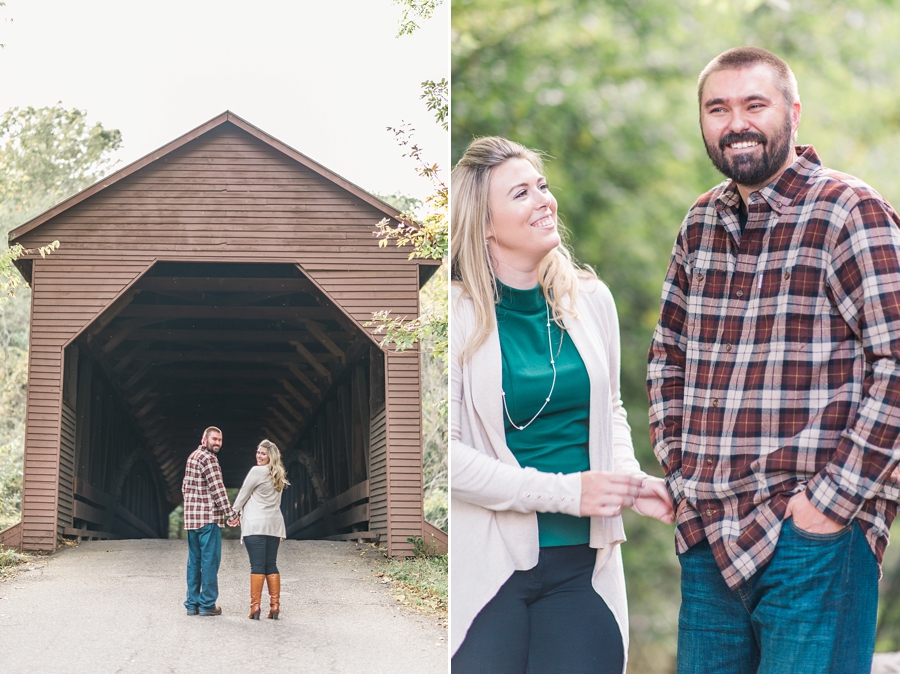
(259, 505)
(493, 500)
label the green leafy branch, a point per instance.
(404, 334)
(10, 280)
(429, 238)
(429, 234)
(436, 95)
(414, 10)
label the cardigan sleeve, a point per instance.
(492, 484)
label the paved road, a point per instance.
(109, 607)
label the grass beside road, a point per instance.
(419, 581)
(9, 562)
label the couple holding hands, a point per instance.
(774, 387)
(257, 510)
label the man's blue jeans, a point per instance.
(204, 556)
(811, 609)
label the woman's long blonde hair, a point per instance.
(470, 259)
(277, 471)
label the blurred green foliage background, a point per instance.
(607, 88)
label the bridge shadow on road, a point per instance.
(116, 606)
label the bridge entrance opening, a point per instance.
(258, 350)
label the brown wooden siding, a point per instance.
(66, 469)
(435, 539)
(404, 459)
(40, 483)
(378, 497)
(225, 196)
(11, 537)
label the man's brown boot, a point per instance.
(273, 580)
(256, 585)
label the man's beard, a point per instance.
(744, 168)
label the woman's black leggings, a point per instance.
(546, 620)
(263, 551)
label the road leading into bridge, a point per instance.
(115, 606)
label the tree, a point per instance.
(400, 201)
(608, 90)
(46, 155)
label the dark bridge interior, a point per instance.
(255, 349)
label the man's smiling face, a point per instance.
(747, 126)
(214, 441)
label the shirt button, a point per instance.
(740, 293)
(699, 277)
(709, 513)
(715, 403)
(528, 495)
(539, 495)
(709, 461)
(728, 347)
(550, 497)
(787, 275)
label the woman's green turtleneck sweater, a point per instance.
(557, 441)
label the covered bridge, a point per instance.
(223, 280)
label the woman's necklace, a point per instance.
(552, 386)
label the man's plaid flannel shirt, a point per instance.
(775, 366)
(205, 499)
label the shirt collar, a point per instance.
(781, 192)
(515, 299)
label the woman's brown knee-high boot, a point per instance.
(273, 580)
(256, 585)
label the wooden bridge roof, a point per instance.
(224, 118)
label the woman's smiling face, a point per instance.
(262, 457)
(522, 228)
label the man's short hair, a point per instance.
(747, 57)
(212, 428)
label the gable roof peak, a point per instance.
(227, 117)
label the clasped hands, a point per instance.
(605, 494)
(236, 522)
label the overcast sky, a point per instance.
(324, 76)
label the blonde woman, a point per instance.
(258, 505)
(541, 456)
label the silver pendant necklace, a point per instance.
(552, 386)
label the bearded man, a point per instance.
(206, 507)
(774, 383)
